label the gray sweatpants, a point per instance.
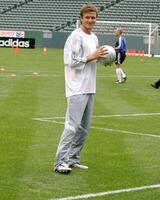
(77, 123)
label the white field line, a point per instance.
(42, 74)
(48, 120)
(116, 115)
(112, 192)
(60, 74)
(126, 115)
(126, 132)
(31, 71)
(32, 75)
(134, 76)
(114, 131)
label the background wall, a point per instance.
(58, 39)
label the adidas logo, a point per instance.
(14, 43)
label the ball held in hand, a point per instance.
(109, 58)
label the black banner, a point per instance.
(17, 42)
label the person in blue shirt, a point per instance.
(120, 48)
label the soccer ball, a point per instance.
(109, 58)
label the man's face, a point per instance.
(118, 32)
(88, 20)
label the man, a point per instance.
(120, 48)
(80, 56)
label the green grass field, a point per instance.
(123, 146)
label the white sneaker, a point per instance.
(78, 165)
(63, 169)
(118, 82)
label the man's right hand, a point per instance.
(99, 53)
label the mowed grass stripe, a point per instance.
(17, 131)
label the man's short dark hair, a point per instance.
(89, 7)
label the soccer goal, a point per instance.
(139, 36)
